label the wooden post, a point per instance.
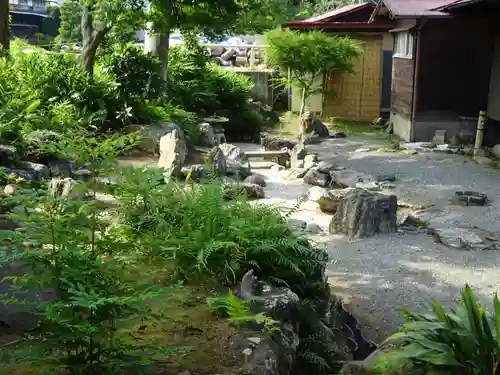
(252, 56)
(479, 132)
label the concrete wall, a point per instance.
(493, 109)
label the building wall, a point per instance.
(493, 109)
(454, 67)
(356, 95)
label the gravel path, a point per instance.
(377, 275)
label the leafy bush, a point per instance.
(136, 73)
(462, 341)
(204, 238)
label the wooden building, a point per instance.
(446, 66)
(365, 93)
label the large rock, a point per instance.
(273, 143)
(8, 155)
(173, 152)
(41, 170)
(349, 178)
(236, 160)
(149, 135)
(363, 214)
(256, 179)
(217, 160)
(65, 187)
(60, 168)
(319, 128)
(328, 200)
(495, 151)
(316, 178)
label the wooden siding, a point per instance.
(356, 96)
(402, 86)
(455, 59)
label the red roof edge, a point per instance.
(337, 25)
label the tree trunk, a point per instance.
(302, 120)
(4, 28)
(159, 45)
(91, 39)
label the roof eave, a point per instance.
(338, 26)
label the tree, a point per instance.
(91, 21)
(4, 27)
(208, 17)
(305, 57)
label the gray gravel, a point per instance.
(377, 275)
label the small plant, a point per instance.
(237, 311)
(83, 329)
(462, 341)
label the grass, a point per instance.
(289, 127)
(186, 323)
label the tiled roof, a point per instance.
(399, 8)
(332, 15)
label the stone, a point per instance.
(8, 155)
(25, 175)
(310, 158)
(41, 170)
(371, 186)
(300, 152)
(328, 166)
(149, 135)
(312, 139)
(338, 135)
(328, 200)
(60, 168)
(236, 160)
(316, 178)
(469, 198)
(208, 133)
(349, 178)
(439, 137)
(82, 174)
(495, 151)
(363, 214)
(173, 152)
(385, 177)
(379, 121)
(319, 128)
(296, 224)
(195, 172)
(362, 149)
(64, 187)
(251, 191)
(217, 160)
(314, 228)
(256, 179)
(483, 160)
(273, 143)
(11, 189)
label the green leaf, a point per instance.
(496, 309)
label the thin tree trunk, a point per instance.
(4, 28)
(91, 39)
(301, 114)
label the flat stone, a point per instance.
(327, 166)
(362, 149)
(338, 135)
(385, 177)
(469, 198)
(371, 186)
(483, 160)
(296, 224)
(349, 178)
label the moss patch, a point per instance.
(186, 323)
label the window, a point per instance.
(403, 46)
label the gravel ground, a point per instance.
(377, 275)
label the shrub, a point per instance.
(462, 341)
(203, 237)
(136, 73)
